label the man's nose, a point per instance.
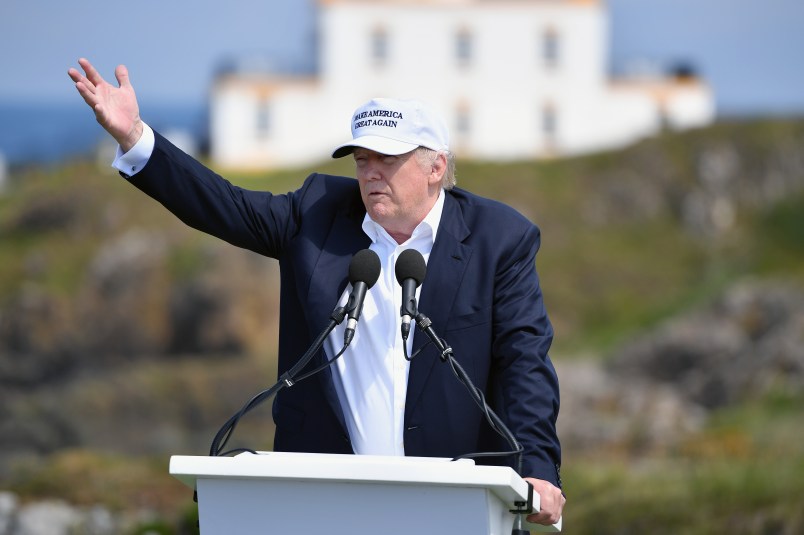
(371, 171)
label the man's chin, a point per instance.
(378, 212)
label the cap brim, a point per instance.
(383, 145)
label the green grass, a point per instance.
(743, 474)
(779, 246)
(682, 496)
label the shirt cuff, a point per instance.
(132, 162)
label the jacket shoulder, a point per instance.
(481, 212)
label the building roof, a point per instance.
(459, 2)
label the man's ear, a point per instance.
(438, 168)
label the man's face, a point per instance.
(397, 191)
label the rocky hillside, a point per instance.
(658, 389)
(673, 271)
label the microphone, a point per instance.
(364, 270)
(410, 270)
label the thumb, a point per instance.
(121, 73)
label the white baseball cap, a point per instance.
(394, 126)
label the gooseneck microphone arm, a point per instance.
(287, 379)
(522, 508)
(410, 272)
(364, 270)
(446, 355)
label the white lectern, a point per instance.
(280, 493)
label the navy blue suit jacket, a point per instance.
(481, 292)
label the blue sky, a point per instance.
(749, 50)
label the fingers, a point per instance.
(81, 80)
(93, 79)
(84, 86)
(74, 74)
(121, 73)
(551, 502)
(92, 74)
(546, 518)
(86, 94)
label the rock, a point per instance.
(47, 518)
(657, 389)
(50, 213)
(603, 412)
(8, 510)
(749, 342)
(125, 300)
(53, 517)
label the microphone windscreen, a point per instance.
(410, 265)
(364, 267)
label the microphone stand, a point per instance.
(287, 379)
(446, 355)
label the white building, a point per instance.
(514, 79)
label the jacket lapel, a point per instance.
(445, 269)
(330, 274)
(329, 280)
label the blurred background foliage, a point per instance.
(126, 337)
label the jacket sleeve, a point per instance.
(523, 381)
(257, 220)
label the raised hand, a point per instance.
(115, 108)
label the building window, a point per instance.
(379, 47)
(463, 47)
(463, 123)
(263, 120)
(549, 124)
(550, 48)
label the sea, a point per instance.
(51, 133)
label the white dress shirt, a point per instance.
(131, 162)
(371, 378)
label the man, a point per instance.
(481, 289)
